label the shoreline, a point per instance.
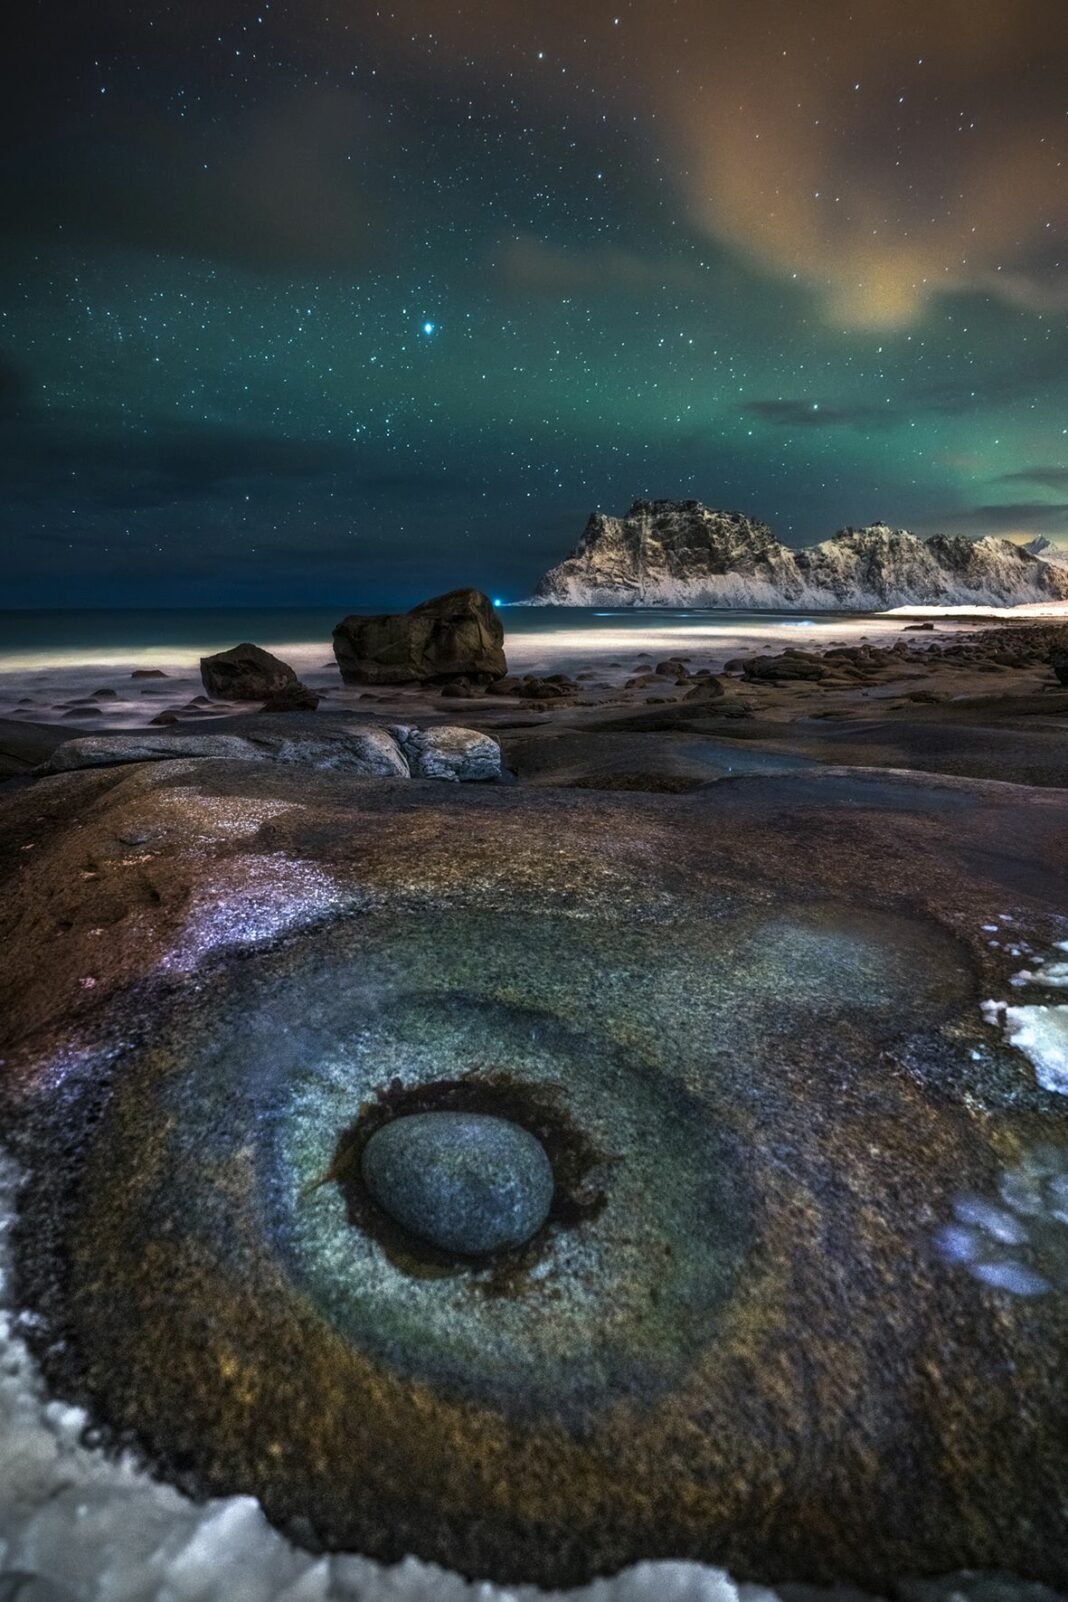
(984, 703)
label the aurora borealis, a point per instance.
(305, 303)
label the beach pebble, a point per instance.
(463, 1182)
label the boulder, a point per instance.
(449, 752)
(244, 673)
(463, 1182)
(1059, 663)
(453, 636)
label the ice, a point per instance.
(1012, 1277)
(1041, 1033)
(995, 1221)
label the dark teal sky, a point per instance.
(301, 307)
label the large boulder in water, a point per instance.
(245, 673)
(449, 637)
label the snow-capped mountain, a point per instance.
(681, 553)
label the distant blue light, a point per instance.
(498, 603)
(428, 328)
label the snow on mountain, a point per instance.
(681, 553)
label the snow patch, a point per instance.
(1041, 1033)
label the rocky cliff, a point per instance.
(680, 553)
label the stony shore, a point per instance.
(984, 703)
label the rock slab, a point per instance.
(364, 750)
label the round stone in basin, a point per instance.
(464, 1182)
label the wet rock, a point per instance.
(707, 688)
(363, 750)
(292, 697)
(244, 673)
(458, 635)
(782, 669)
(164, 718)
(105, 695)
(148, 673)
(105, 750)
(463, 1182)
(449, 752)
(1059, 663)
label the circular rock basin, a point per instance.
(464, 1182)
(775, 1318)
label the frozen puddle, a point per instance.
(1018, 1243)
(1039, 1030)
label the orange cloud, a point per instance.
(878, 153)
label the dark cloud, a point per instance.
(1054, 478)
(15, 388)
(277, 186)
(1017, 517)
(534, 265)
(820, 414)
(46, 456)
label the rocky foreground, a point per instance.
(681, 553)
(770, 964)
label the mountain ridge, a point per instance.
(683, 553)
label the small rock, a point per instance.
(463, 1182)
(708, 688)
(105, 695)
(292, 697)
(148, 673)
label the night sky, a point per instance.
(330, 303)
